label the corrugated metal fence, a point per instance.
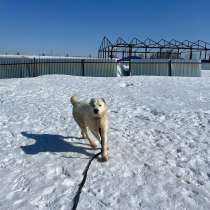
(12, 67)
(32, 67)
(205, 66)
(185, 68)
(150, 67)
(166, 67)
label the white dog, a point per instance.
(92, 116)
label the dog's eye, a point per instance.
(100, 105)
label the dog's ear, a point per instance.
(92, 100)
(103, 100)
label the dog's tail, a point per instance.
(74, 100)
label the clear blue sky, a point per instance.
(77, 26)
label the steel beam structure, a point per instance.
(158, 49)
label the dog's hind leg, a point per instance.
(83, 134)
(92, 142)
(96, 133)
(84, 131)
(82, 127)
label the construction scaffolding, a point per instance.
(149, 48)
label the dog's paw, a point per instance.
(105, 158)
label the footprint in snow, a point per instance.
(126, 84)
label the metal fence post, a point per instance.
(130, 55)
(130, 67)
(83, 67)
(169, 68)
(34, 69)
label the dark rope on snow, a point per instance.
(81, 185)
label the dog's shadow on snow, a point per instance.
(54, 143)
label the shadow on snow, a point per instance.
(54, 143)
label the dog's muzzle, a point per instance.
(96, 111)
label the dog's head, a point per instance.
(99, 107)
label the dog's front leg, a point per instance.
(104, 144)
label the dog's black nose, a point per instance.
(96, 111)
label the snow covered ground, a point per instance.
(159, 141)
